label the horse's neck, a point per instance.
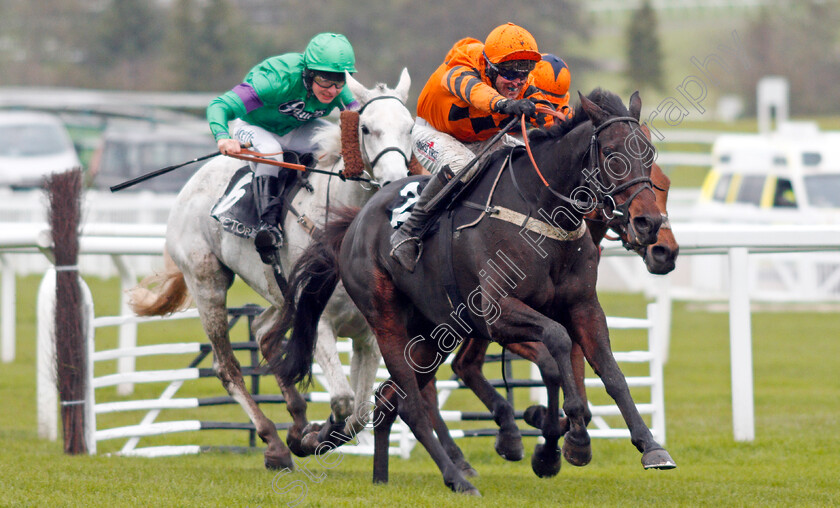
(330, 191)
(561, 164)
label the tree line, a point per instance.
(209, 45)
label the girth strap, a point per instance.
(538, 226)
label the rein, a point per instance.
(261, 158)
(623, 210)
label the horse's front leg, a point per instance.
(589, 325)
(227, 368)
(517, 322)
(467, 365)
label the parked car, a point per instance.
(34, 145)
(128, 153)
(788, 176)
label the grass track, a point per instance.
(793, 462)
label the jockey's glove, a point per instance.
(516, 107)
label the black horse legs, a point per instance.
(518, 323)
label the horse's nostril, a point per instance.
(660, 253)
(386, 182)
(642, 225)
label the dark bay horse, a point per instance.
(659, 259)
(524, 270)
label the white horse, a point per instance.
(206, 258)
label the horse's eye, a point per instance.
(607, 152)
(365, 130)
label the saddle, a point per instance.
(236, 211)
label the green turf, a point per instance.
(793, 461)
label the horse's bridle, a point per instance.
(379, 155)
(622, 211)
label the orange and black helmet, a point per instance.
(552, 77)
(510, 42)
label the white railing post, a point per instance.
(90, 398)
(46, 392)
(657, 387)
(740, 346)
(7, 313)
(662, 317)
(128, 331)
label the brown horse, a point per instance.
(523, 270)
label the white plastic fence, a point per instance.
(402, 438)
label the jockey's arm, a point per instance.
(222, 110)
(466, 84)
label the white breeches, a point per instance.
(298, 140)
(435, 149)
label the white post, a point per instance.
(7, 313)
(46, 391)
(657, 387)
(90, 397)
(128, 331)
(740, 346)
(662, 325)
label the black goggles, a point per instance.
(513, 69)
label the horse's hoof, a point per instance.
(509, 446)
(282, 460)
(658, 459)
(293, 440)
(294, 444)
(545, 462)
(467, 470)
(311, 427)
(465, 487)
(309, 444)
(577, 452)
(342, 408)
(535, 416)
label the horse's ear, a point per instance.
(360, 93)
(593, 111)
(635, 105)
(403, 85)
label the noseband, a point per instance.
(378, 156)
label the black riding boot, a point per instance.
(269, 235)
(406, 244)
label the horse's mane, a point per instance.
(606, 100)
(328, 140)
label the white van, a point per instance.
(33, 146)
(789, 176)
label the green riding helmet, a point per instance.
(330, 53)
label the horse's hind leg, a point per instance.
(590, 328)
(467, 365)
(430, 396)
(326, 354)
(363, 367)
(384, 414)
(296, 406)
(211, 303)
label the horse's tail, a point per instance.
(161, 293)
(312, 281)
